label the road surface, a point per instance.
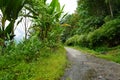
(87, 67)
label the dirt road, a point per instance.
(86, 67)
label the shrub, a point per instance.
(73, 40)
(107, 18)
(108, 34)
(83, 40)
(78, 40)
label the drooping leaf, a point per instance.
(9, 28)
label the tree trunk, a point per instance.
(25, 26)
(2, 36)
(111, 10)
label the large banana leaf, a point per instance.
(9, 28)
(53, 6)
(10, 10)
(13, 8)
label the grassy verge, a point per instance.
(111, 54)
(51, 68)
(49, 64)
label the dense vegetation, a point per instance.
(31, 61)
(40, 55)
(94, 25)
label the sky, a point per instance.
(70, 7)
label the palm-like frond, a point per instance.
(10, 10)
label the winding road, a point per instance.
(87, 67)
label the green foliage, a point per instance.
(88, 17)
(104, 35)
(91, 7)
(10, 11)
(68, 32)
(73, 40)
(46, 19)
(107, 18)
(77, 40)
(93, 20)
(30, 60)
(89, 24)
(40, 57)
(108, 33)
(71, 28)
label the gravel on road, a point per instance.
(87, 67)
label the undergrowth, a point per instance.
(30, 60)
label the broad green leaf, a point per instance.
(9, 28)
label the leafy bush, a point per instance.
(73, 40)
(78, 40)
(107, 18)
(83, 40)
(89, 24)
(108, 34)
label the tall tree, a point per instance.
(113, 4)
(110, 7)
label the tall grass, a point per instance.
(30, 60)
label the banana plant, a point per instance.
(47, 16)
(10, 10)
(55, 9)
